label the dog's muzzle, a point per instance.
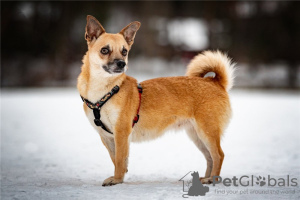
(117, 66)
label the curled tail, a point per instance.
(213, 61)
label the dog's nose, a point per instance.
(121, 64)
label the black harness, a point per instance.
(96, 107)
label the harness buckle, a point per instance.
(140, 89)
(136, 118)
(116, 89)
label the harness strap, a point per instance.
(96, 107)
(103, 100)
(98, 122)
(137, 117)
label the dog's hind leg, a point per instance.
(201, 146)
(211, 138)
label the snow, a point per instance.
(50, 151)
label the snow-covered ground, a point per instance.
(50, 151)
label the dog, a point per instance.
(134, 113)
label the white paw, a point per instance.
(206, 180)
(111, 181)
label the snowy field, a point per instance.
(50, 151)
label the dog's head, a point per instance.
(108, 53)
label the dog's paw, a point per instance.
(111, 181)
(206, 180)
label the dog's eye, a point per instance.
(124, 52)
(104, 51)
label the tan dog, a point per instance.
(198, 103)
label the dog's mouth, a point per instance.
(115, 67)
(118, 71)
(112, 69)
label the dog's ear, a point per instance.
(93, 28)
(129, 31)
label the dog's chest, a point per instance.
(109, 116)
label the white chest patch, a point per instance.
(109, 116)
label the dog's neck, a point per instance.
(95, 84)
(99, 86)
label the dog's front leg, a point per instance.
(109, 143)
(121, 158)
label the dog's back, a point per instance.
(173, 102)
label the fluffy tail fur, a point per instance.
(216, 62)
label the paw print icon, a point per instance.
(261, 181)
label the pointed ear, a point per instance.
(129, 31)
(93, 28)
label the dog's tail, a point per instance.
(217, 62)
